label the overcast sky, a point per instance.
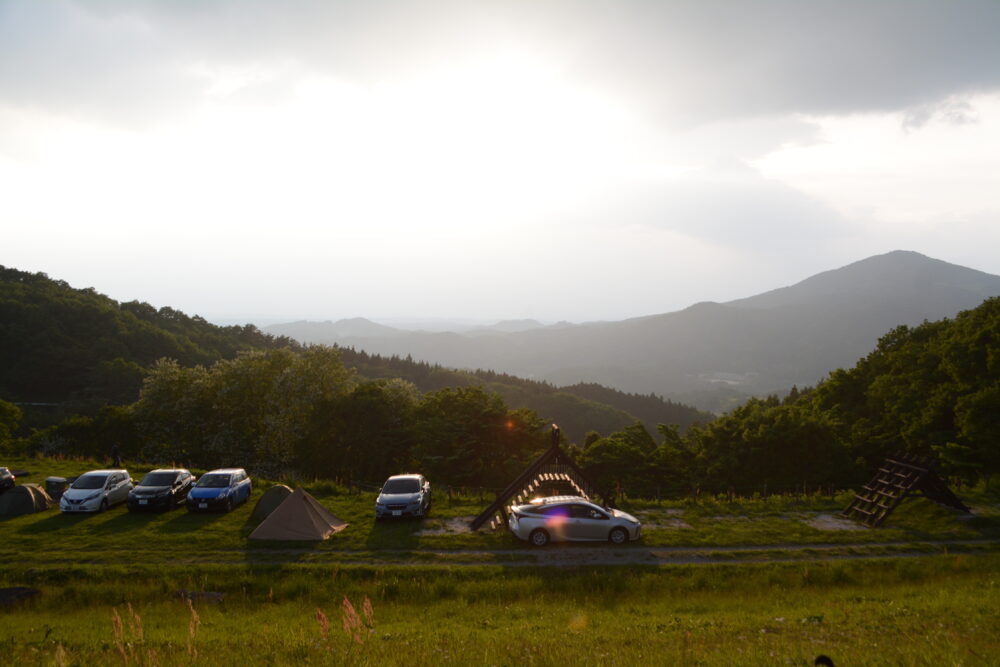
(261, 161)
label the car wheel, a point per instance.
(538, 538)
(104, 506)
(229, 504)
(618, 536)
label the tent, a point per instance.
(299, 517)
(270, 501)
(24, 499)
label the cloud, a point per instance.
(728, 205)
(684, 62)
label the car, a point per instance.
(6, 479)
(96, 491)
(161, 489)
(221, 489)
(403, 495)
(571, 519)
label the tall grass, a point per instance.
(915, 611)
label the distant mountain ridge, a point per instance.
(789, 336)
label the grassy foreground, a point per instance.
(934, 610)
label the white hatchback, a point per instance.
(96, 491)
(571, 519)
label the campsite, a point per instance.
(443, 593)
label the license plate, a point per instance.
(397, 512)
(143, 502)
(203, 506)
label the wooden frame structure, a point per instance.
(553, 468)
(899, 475)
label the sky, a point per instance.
(253, 160)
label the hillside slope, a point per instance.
(74, 350)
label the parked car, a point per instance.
(403, 495)
(571, 519)
(161, 489)
(221, 489)
(6, 479)
(96, 491)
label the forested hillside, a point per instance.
(79, 350)
(577, 409)
(931, 390)
(59, 344)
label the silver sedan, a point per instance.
(571, 519)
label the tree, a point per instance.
(10, 417)
(467, 436)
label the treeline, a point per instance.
(931, 390)
(304, 412)
(577, 409)
(82, 349)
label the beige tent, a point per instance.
(24, 499)
(299, 517)
(270, 501)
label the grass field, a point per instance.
(929, 611)
(110, 586)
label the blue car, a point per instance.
(219, 490)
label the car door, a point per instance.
(576, 526)
(184, 486)
(116, 484)
(244, 487)
(557, 522)
(589, 523)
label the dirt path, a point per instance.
(558, 555)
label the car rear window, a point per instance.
(89, 482)
(158, 479)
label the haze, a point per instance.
(496, 160)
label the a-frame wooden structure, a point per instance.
(899, 475)
(550, 471)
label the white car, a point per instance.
(403, 495)
(96, 491)
(571, 519)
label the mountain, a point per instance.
(765, 343)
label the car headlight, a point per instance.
(93, 496)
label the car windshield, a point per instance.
(158, 479)
(89, 482)
(213, 481)
(408, 485)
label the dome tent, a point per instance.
(299, 517)
(24, 499)
(270, 501)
